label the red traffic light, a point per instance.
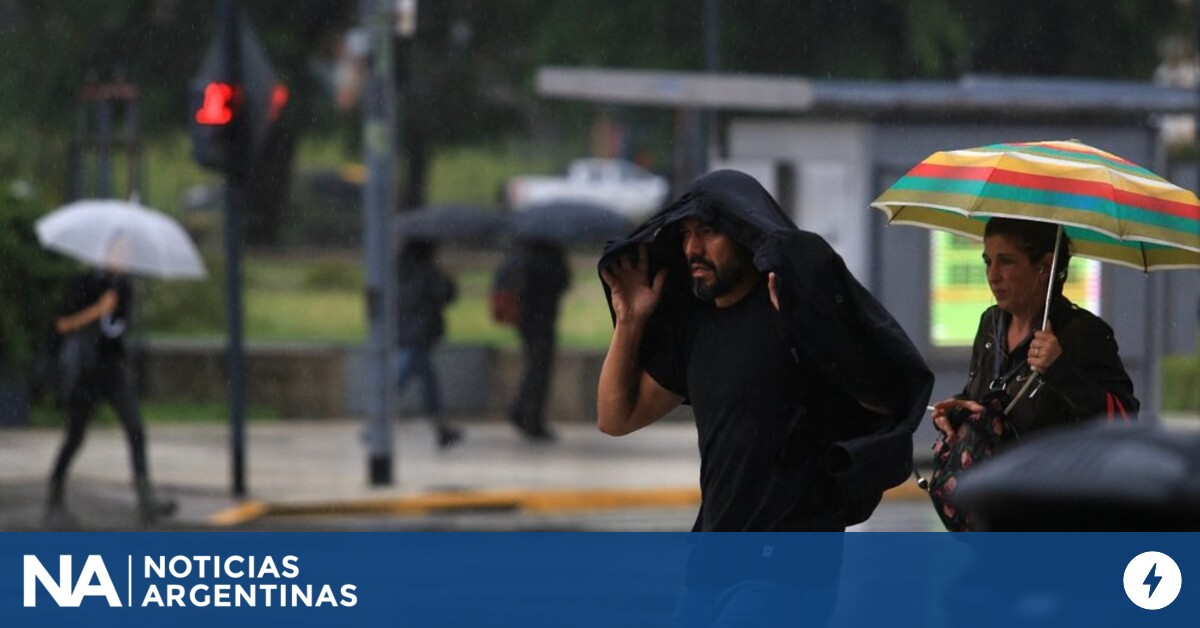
(219, 102)
(279, 98)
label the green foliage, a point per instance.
(477, 174)
(1115, 39)
(32, 280)
(333, 274)
(470, 76)
(52, 48)
(185, 306)
(1181, 383)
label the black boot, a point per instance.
(448, 436)
(150, 507)
(57, 516)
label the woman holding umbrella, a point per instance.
(114, 237)
(1115, 210)
(94, 321)
(1075, 355)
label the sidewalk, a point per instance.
(307, 475)
(309, 469)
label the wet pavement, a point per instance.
(312, 475)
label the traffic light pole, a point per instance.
(379, 201)
(233, 101)
(227, 20)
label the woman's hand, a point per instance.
(941, 417)
(106, 304)
(1043, 349)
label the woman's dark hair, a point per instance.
(1036, 240)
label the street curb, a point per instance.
(542, 502)
(530, 501)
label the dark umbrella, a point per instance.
(463, 224)
(568, 222)
(1090, 477)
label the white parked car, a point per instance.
(625, 187)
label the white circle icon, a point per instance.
(1152, 580)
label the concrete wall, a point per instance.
(296, 380)
(831, 185)
(327, 380)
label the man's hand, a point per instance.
(634, 296)
(771, 289)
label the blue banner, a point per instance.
(598, 579)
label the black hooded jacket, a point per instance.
(845, 335)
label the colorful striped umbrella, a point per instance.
(1113, 209)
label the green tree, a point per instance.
(31, 280)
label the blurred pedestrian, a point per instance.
(526, 292)
(93, 323)
(423, 292)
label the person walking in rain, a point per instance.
(805, 390)
(94, 321)
(423, 292)
(1081, 373)
(535, 274)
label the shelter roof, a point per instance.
(972, 94)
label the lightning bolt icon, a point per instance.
(1152, 580)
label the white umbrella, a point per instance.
(121, 235)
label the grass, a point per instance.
(322, 299)
(1181, 383)
(47, 415)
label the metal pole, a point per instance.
(379, 199)
(1196, 61)
(104, 133)
(227, 19)
(712, 64)
(75, 159)
(133, 131)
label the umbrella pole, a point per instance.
(1053, 272)
(1045, 317)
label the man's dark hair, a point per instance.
(1036, 240)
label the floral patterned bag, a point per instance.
(953, 456)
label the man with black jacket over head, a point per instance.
(804, 389)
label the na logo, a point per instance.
(93, 581)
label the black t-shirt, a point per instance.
(85, 290)
(747, 388)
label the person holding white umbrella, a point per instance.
(115, 238)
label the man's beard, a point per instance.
(724, 279)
